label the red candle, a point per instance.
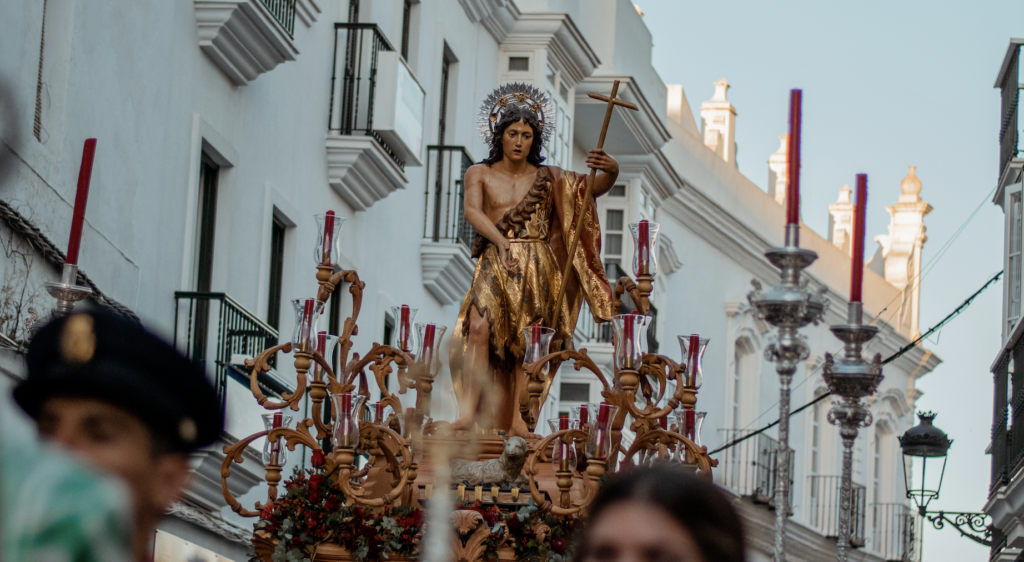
(563, 449)
(535, 334)
(321, 347)
(81, 197)
(427, 353)
(584, 417)
(627, 339)
(663, 422)
(690, 421)
(857, 272)
(404, 329)
(793, 163)
(275, 447)
(328, 236)
(563, 423)
(692, 354)
(379, 412)
(344, 418)
(307, 323)
(601, 431)
(644, 248)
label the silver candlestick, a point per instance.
(788, 306)
(67, 292)
(850, 378)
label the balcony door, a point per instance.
(206, 229)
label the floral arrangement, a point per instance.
(312, 511)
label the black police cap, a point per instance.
(101, 355)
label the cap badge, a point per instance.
(77, 340)
(187, 430)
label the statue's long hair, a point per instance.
(515, 114)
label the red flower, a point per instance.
(559, 545)
(318, 458)
(513, 522)
(332, 504)
(366, 530)
(315, 482)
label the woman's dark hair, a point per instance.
(705, 512)
(514, 114)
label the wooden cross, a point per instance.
(612, 102)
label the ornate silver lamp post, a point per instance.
(850, 377)
(788, 306)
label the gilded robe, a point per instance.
(539, 229)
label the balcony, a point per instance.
(219, 334)
(375, 121)
(750, 468)
(246, 38)
(895, 532)
(447, 236)
(1008, 82)
(824, 507)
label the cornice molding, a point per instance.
(242, 38)
(210, 522)
(360, 171)
(447, 270)
(557, 33)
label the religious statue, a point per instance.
(525, 214)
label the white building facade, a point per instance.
(225, 125)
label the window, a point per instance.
(1013, 249)
(617, 191)
(519, 64)
(743, 366)
(815, 440)
(277, 229)
(406, 16)
(208, 172)
(575, 392)
(877, 469)
(443, 112)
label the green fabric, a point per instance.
(53, 509)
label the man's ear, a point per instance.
(170, 477)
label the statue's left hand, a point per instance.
(599, 160)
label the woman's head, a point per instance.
(662, 514)
(505, 139)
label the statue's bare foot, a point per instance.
(520, 429)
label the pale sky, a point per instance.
(886, 85)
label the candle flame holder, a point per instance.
(851, 378)
(67, 291)
(789, 306)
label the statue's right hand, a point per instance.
(505, 256)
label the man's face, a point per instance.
(116, 441)
(517, 140)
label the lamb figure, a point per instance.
(504, 470)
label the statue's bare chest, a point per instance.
(502, 193)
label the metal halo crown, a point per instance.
(524, 95)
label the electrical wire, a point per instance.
(963, 306)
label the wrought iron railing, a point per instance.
(590, 332)
(219, 334)
(824, 507)
(284, 12)
(444, 217)
(354, 81)
(750, 468)
(1009, 134)
(1007, 419)
(895, 532)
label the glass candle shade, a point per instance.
(689, 423)
(599, 441)
(328, 241)
(402, 336)
(693, 347)
(630, 340)
(325, 347)
(307, 312)
(564, 456)
(576, 414)
(538, 340)
(428, 345)
(348, 410)
(276, 453)
(645, 249)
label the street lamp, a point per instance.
(930, 444)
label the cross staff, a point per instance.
(612, 102)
